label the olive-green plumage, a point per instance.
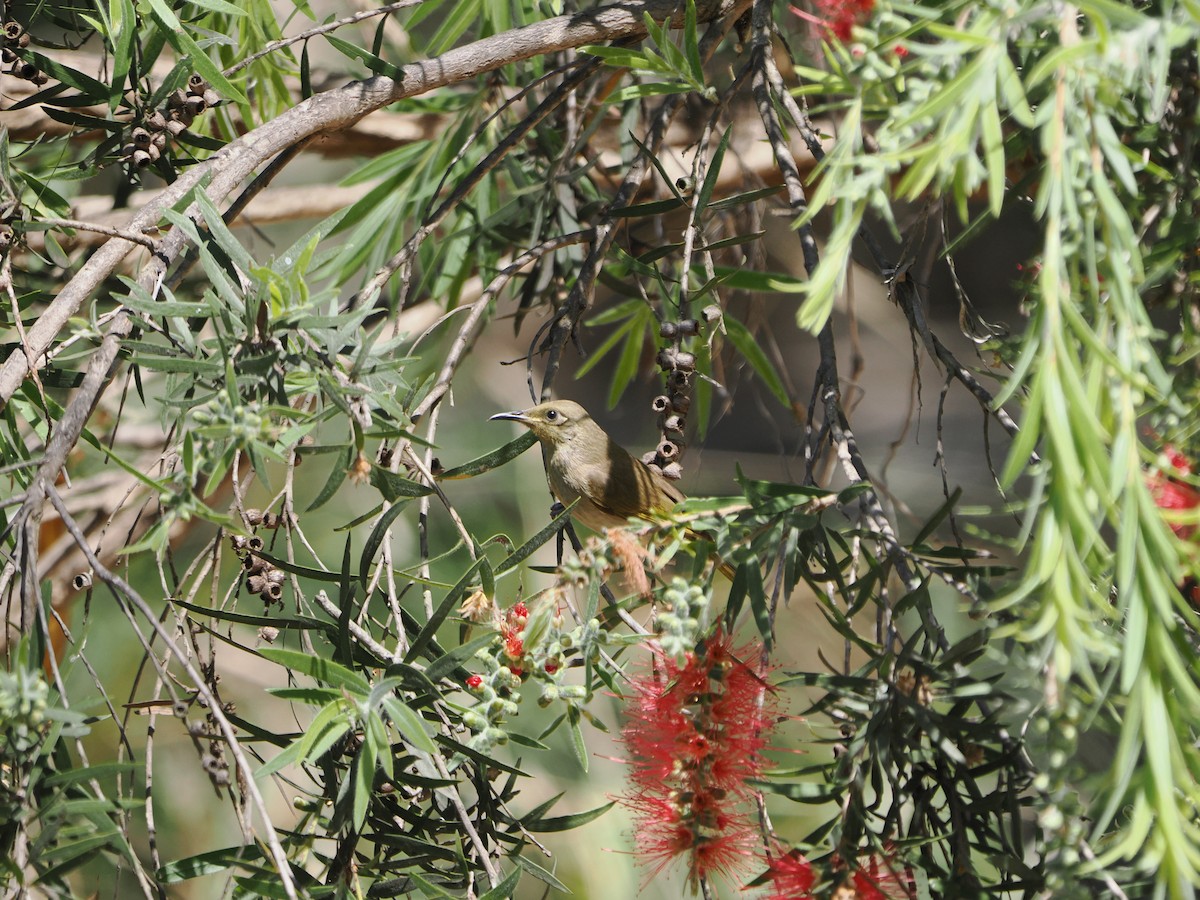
(583, 461)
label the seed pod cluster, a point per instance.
(149, 140)
(262, 578)
(672, 407)
(7, 235)
(16, 39)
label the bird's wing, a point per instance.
(632, 490)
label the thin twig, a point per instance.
(318, 30)
(107, 230)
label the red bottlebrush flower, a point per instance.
(900, 51)
(1169, 492)
(695, 734)
(791, 875)
(838, 16)
(881, 880)
(474, 682)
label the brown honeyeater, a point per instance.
(583, 461)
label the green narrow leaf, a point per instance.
(741, 338)
(375, 541)
(317, 667)
(993, 151)
(630, 359)
(565, 823)
(492, 460)
(409, 724)
(209, 863)
(374, 63)
(394, 487)
(758, 604)
(714, 167)
(337, 475)
(578, 744)
(505, 889)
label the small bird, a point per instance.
(583, 461)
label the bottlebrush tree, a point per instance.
(284, 620)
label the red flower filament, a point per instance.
(695, 735)
(791, 875)
(838, 16)
(511, 631)
(1172, 493)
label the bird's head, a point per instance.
(553, 423)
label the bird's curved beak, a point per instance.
(515, 416)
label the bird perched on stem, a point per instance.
(583, 461)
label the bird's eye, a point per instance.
(552, 415)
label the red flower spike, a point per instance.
(838, 16)
(695, 733)
(881, 880)
(474, 682)
(1171, 493)
(790, 874)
